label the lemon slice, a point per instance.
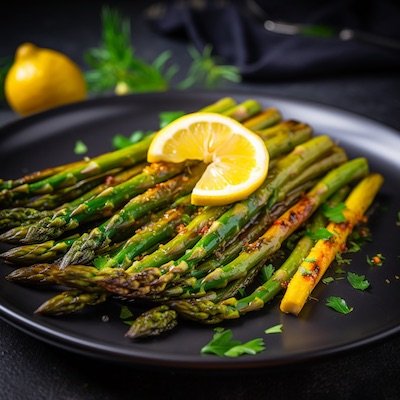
(237, 158)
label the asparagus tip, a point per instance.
(153, 322)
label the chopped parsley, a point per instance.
(327, 280)
(126, 315)
(305, 272)
(80, 147)
(338, 304)
(252, 347)
(222, 344)
(167, 117)
(321, 233)
(274, 329)
(310, 260)
(334, 214)
(353, 247)
(266, 272)
(358, 238)
(120, 141)
(376, 261)
(340, 260)
(186, 218)
(357, 281)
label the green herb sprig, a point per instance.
(206, 70)
(114, 62)
(114, 65)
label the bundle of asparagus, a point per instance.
(117, 226)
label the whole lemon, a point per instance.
(40, 79)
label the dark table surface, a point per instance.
(31, 369)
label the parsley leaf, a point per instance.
(327, 280)
(357, 281)
(338, 304)
(121, 141)
(266, 272)
(398, 219)
(274, 329)
(167, 117)
(334, 214)
(222, 344)
(80, 147)
(252, 347)
(125, 313)
(321, 233)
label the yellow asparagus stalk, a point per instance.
(323, 253)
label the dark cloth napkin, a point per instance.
(239, 37)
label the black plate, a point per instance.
(48, 139)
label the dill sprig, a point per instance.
(114, 63)
(115, 66)
(206, 70)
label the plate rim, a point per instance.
(105, 352)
